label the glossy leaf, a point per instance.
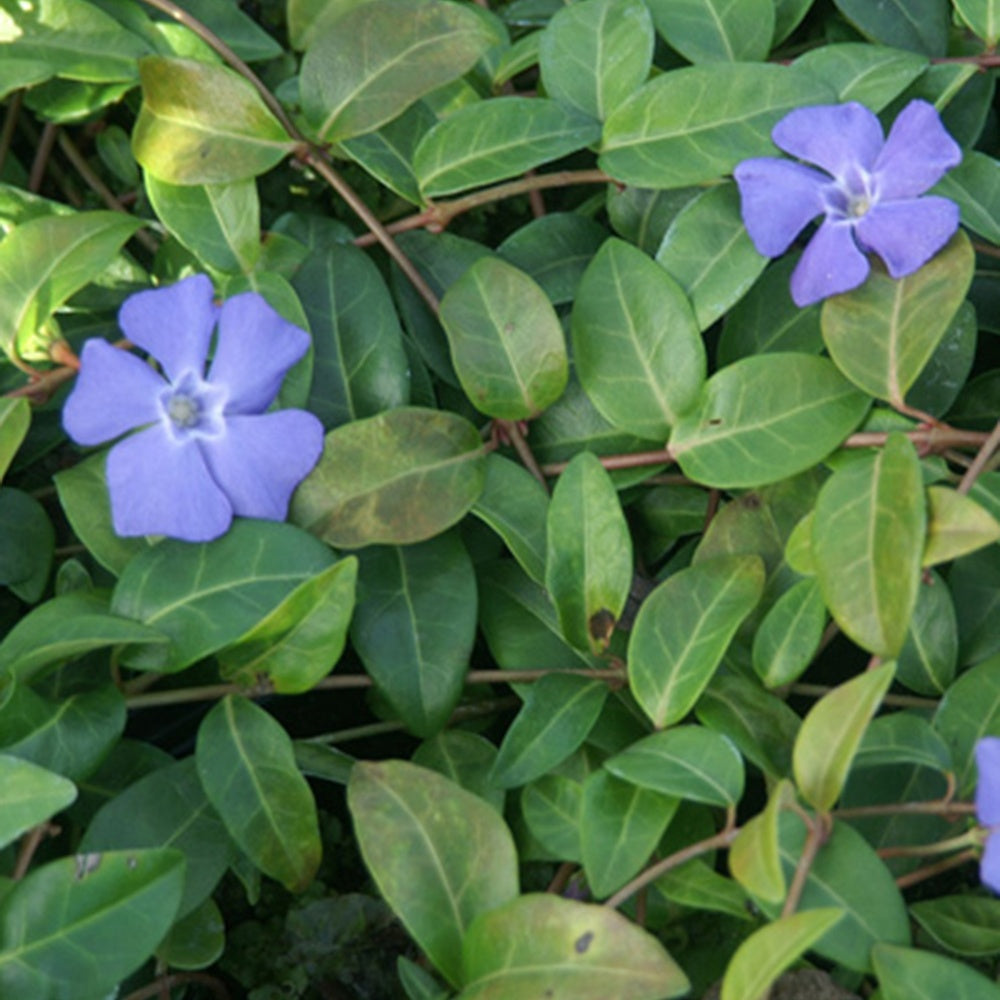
(636, 345)
(966, 925)
(77, 926)
(956, 526)
(695, 124)
(301, 640)
(439, 855)
(492, 140)
(45, 260)
(247, 768)
(28, 544)
(620, 825)
(183, 139)
(414, 627)
(912, 974)
(541, 944)
(708, 252)
(902, 737)
(15, 416)
(465, 758)
(882, 334)
(870, 74)
(697, 885)
(218, 223)
(31, 795)
(867, 542)
(714, 30)
(595, 54)
(205, 596)
(769, 951)
(919, 25)
(393, 479)
(506, 341)
(682, 630)
(983, 17)
(929, 657)
(831, 733)
(974, 185)
(765, 418)
(789, 635)
(558, 713)
(551, 807)
(588, 569)
(368, 66)
(690, 762)
(196, 941)
(755, 854)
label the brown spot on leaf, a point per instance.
(583, 942)
(751, 501)
(601, 625)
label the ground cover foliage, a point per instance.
(635, 631)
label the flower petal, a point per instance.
(830, 264)
(988, 784)
(115, 392)
(778, 199)
(256, 348)
(261, 459)
(837, 137)
(174, 324)
(161, 487)
(906, 234)
(989, 864)
(917, 153)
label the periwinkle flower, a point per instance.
(870, 195)
(988, 808)
(207, 450)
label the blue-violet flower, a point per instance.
(208, 450)
(869, 195)
(988, 808)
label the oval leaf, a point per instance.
(911, 974)
(716, 30)
(956, 526)
(31, 795)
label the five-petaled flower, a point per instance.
(869, 195)
(988, 808)
(207, 449)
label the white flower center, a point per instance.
(184, 411)
(193, 407)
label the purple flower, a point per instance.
(869, 194)
(988, 808)
(208, 450)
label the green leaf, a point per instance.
(515, 505)
(682, 631)
(465, 758)
(755, 855)
(870, 74)
(393, 479)
(789, 634)
(45, 260)
(369, 65)
(831, 733)
(912, 974)
(974, 185)
(966, 925)
(902, 738)
(716, 30)
(595, 54)
(78, 41)
(31, 795)
(247, 767)
(982, 17)
(167, 809)
(766, 418)
(77, 926)
(65, 628)
(492, 140)
(697, 885)
(620, 826)
(636, 345)
(184, 139)
(359, 363)
(918, 25)
(203, 597)
(439, 854)
(27, 544)
(551, 809)
(690, 762)
(588, 571)
(196, 941)
(868, 540)
(15, 417)
(641, 216)
(695, 124)
(558, 713)
(882, 334)
(506, 341)
(768, 952)
(708, 252)
(929, 657)
(218, 223)
(956, 526)
(542, 945)
(414, 627)
(301, 640)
